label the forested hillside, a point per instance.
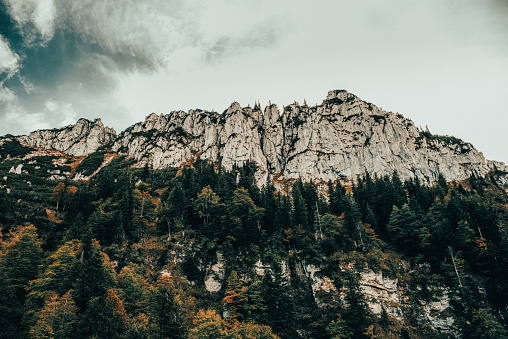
(200, 252)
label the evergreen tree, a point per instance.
(358, 313)
(58, 194)
(300, 211)
(335, 237)
(352, 218)
(20, 260)
(57, 278)
(252, 330)
(370, 218)
(11, 309)
(95, 274)
(270, 205)
(279, 303)
(486, 326)
(76, 229)
(58, 319)
(339, 329)
(133, 289)
(165, 311)
(105, 317)
(208, 205)
(235, 300)
(208, 325)
(257, 311)
(243, 219)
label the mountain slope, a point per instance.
(339, 139)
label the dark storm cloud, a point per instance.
(86, 41)
(65, 52)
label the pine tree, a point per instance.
(357, 314)
(300, 211)
(77, 228)
(58, 194)
(58, 319)
(370, 218)
(486, 326)
(11, 309)
(20, 260)
(257, 311)
(207, 204)
(235, 300)
(133, 290)
(253, 330)
(95, 274)
(279, 303)
(208, 325)
(243, 219)
(57, 278)
(105, 317)
(270, 205)
(339, 329)
(165, 311)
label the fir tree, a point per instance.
(235, 300)
(58, 319)
(165, 311)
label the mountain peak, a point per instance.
(339, 96)
(80, 139)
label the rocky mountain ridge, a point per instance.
(339, 139)
(81, 139)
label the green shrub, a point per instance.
(90, 164)
(13, 148)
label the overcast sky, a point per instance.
(441, 63)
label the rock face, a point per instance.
(80, 139)
(341, 138)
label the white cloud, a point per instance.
(135, 34)
(9, 61)
(44, 17)
(60, 112)
(35, 18)
(7, 97)
(16, 119)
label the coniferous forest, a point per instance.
(132, 253)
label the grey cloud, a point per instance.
(72, 52)
(86, 46)
(263, 36)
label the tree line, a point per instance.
(127, 254)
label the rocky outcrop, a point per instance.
(341, 138)
(83, 138)
(499, 172)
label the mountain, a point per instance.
(145, 235)
(341, 138)
(80, 139)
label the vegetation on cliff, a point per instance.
(128, 253)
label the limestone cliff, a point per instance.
(80, 139)
(341, 138)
